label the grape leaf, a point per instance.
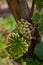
(41, 28)
(30, 61)
(39, 4)
(38, 50)
(37, 17)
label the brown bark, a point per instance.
(19, 9)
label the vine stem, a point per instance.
(32, 10)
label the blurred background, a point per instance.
(7, 25)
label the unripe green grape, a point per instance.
(22, 21)
(25, 28)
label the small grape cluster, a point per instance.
(25, 28)
(17, 45)
(19, 42)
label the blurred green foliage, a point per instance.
(39, 4)
(6, 26)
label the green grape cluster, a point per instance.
(17, 46)
(25, 28)
(19, 42)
